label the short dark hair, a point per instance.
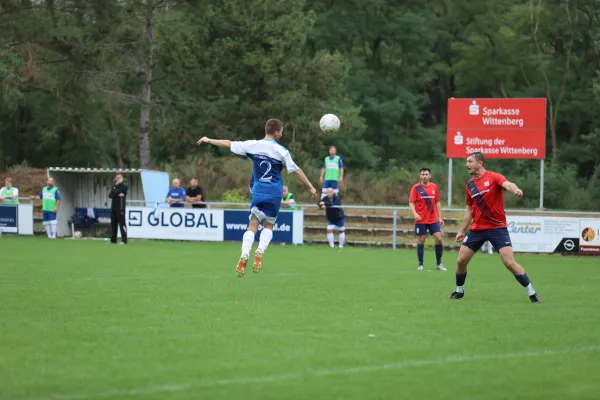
(194, 178)
(426, 169)
(478, 156)
(272, 126)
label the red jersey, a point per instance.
(485, 196)
(425, 198)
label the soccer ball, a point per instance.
(77, 235)
(329, 123)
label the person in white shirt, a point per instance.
(9, 194)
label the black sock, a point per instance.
(439, 249)
(420, 253)
(460, 279)
(523, 279)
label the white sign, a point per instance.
(175, 223)
(26, 219)
(589, 231)
(543, 234)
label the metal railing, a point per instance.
(366, 207)
(357, 207)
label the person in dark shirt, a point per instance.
(194, 194)
(117, 209)
(335, 217)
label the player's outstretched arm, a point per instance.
(513, 188)
(215, 142)
(467, 219)
(302, 178)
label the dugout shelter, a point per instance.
(85, 191)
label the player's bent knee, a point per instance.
(462, 261)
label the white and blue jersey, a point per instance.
(269, 159)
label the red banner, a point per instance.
(499, 128)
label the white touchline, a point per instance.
(327, 372)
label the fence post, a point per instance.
(303, 223)
(394, 229)
(449, 182)
(541, 184)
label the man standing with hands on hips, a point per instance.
(117, 209)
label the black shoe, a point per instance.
(535, 298)
(457, 295)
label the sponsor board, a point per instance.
(499, 128)
(589, 235)
(175, 223)
(544, 234)
(236, 223)
(9, 218)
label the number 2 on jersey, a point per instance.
(263, 177)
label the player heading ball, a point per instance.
(487, 219)
(268, 158)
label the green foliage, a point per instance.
(234, 196)
(72, 74)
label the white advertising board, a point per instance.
(175, 223)
(544, 234)
(589, 230)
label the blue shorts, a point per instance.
(421, 229)
(48, 216)
(498, 237)
(265, 207)
(331, 184)
(339, 224)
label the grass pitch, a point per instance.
(163, 320)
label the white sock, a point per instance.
(53, 225)
(247, 242)
(460, 289)
(342, 238)
(265, 238)
(330, 239)
(48, 229)
(530, 290)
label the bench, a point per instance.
(102, 216)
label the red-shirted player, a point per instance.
(424, 201)
(485, 213)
